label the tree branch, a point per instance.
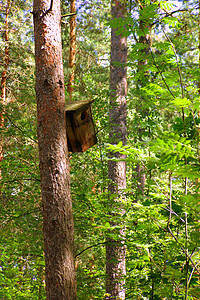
(168, 14)
(69, 15)
(51, 6)
(177, 62)
(23, 179)
(50, 9)
(160, 72)
(95, 245)
(20, 129)
(184, 251)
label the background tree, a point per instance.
(3, 78)
(115, 246)
(72, 51)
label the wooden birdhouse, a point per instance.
(79, 126)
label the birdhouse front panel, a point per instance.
(80, 127)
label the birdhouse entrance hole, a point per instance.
(83, 116)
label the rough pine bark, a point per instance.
(199, 49)
(58, 228)
(115, 247)
(72, 50)
(3, 82)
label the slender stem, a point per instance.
(161, 74)
(170, 196)
(177, 62)
(69, 15)
(191, 274)
(24, 133)
(184, 251)
(101, 243)
(187, 260)
(102, 162)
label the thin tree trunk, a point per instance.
(3, 82)
(58, 227)
(145, 40)
(115, 247)
(198, 132)
(199, 46)
(72, 50)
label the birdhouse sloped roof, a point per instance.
(76, 105)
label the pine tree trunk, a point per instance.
(72, 50)
(199, 48)
(3, 83)
(58, 228)
(115, 247)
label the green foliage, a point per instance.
(21, 261)
(163, 137)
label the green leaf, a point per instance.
(181, 102)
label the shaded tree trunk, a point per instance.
(115, 247)
(3, 82)
(145, 41)
(198, 132)
(72, 50)
(58, 228)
